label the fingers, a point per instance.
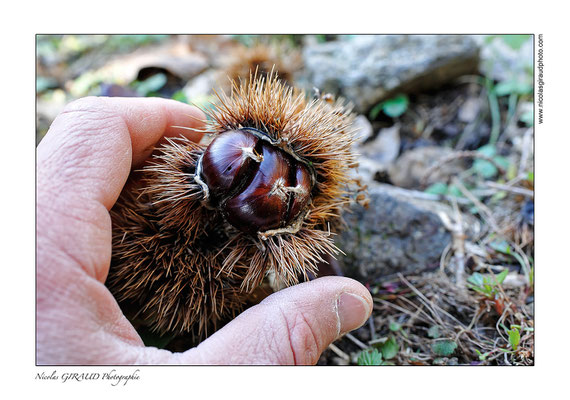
(83, 164)
(293, 326)
(92, 145)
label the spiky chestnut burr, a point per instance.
(201, 226)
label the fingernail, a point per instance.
(353, 311)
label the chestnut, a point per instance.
(226, 161)
(257, 185)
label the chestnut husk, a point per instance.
(187, 253)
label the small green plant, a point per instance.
(370, 357)
(393, 107)
(151, 85)
(482, 356)
(514, 337)
(486, 168)
(487, 285)
(503, 247)
(394, 326)
(433, 332)
(441, 188)
(397, 328)
(515, 42)
(382, 352)
(444, 347)
(518, 86)
(180, 96)
(390, 348)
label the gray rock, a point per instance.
(201, 86)
(501, 62)
(368, 169)
(376, 156)
(385, 148)
(370, 68)
(469, 110)
(392, 235)
(410, 168)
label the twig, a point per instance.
(401, 309)
(444, 254)
(339, 352)
(372, 328)
(475, 318)
(526, 263)
(429, 304)
(458, 243)
(356, 341)
(420, 311)
(526, 147)
(481, 208)
(509, 188)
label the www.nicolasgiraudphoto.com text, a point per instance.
(540, 78)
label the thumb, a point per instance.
(292, 326)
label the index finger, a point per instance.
(93, 144)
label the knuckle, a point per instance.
(302, 337)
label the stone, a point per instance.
(469, 109)
(384, 149)
(391, 235)
(368, 170)
(367, 69)
(202, 85)
(409, 169)
(501, 62)
(176, 58)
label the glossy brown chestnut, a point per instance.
(257, 186)
(226, 161)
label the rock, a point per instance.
(392, 235)
(385, 148)
(175, 58)
(501, 62)
(375, 156)
(202, 85)
(469, 109)
(367, 69)
(409, 170)
(369, 170)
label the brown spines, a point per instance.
(168, 249)
(168, 182)
(175, 256)
(264, 105)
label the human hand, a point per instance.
(82, 165)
